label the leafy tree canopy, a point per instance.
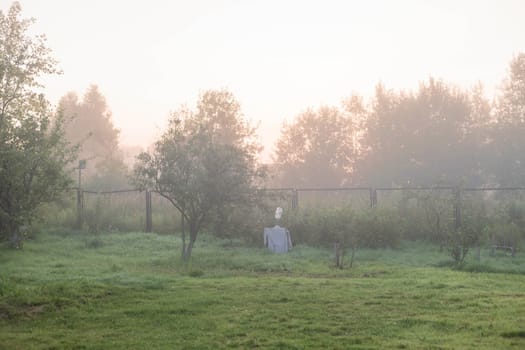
(203, 162)
(507, 133)
(33, 151)
(316, 149)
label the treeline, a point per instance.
(439, 134)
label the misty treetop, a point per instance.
(507, 134)
(316, 149)
(220, 113)
(89, 123)
(417, 138)
(439, 134)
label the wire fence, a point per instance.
(133, 210)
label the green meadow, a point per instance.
(131, 291)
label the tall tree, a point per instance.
(220, 113)
(316, 149)
(356, 111)
(382, 140)
(198, 169)
(509, 128)
(478, 139)
(91, 125)
(33, 151)
(440, 149)
(418, 138)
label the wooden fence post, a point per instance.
(373, 197)
(149, 220)
(295, 199)
(80, 208)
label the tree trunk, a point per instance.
(352, 257)
(188, 250)
(193, 229)
(183, 231)
(336, 254)
(193, 237)
(15, 238)
(339, 252)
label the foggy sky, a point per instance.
(277, 57)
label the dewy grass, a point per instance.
(132, 292)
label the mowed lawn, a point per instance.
(132, 292)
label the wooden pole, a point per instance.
(373, 197)
(80, 208)
(295, 199)
(457, 209)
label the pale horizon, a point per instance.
(277, 57)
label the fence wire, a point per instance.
(355, 198)
(431, 210)
(113, 211)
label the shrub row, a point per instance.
(383, 227)
(421, 218)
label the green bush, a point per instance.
(323, 227)
(247, 222)
(467, 236)
(311, 226)
(506, 233)
(61, 213)
(379, 228)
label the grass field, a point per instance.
(132, 292)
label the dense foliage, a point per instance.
(315, 150)
(204, 163)
(33, 152)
